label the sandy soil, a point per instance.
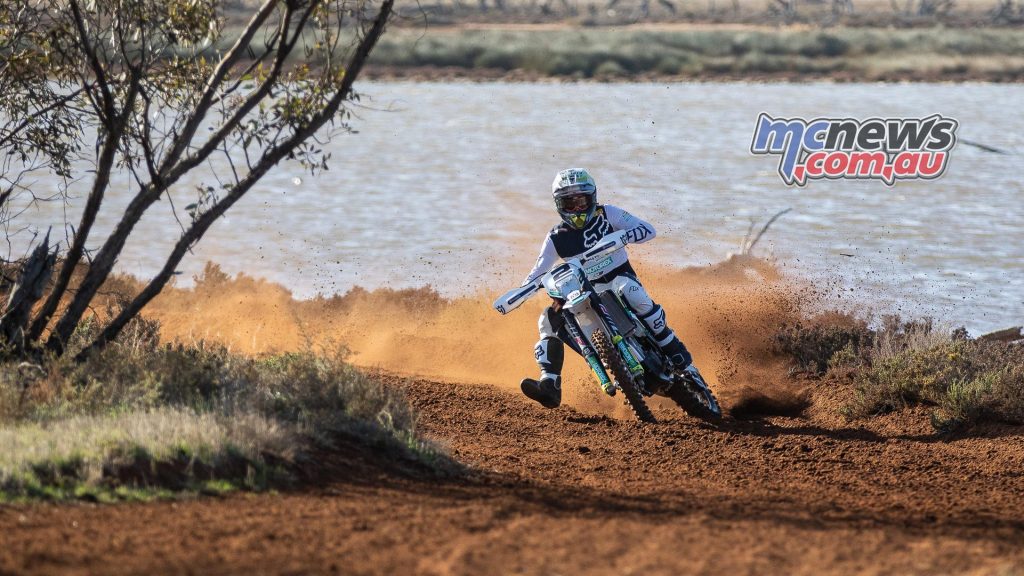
(564, 492)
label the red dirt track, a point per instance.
(563, 492)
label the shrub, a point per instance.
(670, 65)
(826, 45)
(142, 416)
(967, 381)
(908, 377)
(609, 69)
(170, 448)
(963, 402)
(579, 53)
(814, 345)
(902, 364)
(498, 58)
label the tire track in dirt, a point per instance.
(567, 492)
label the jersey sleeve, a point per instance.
(638, 231)
(547, 258)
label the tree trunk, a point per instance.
(30, 287)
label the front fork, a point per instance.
(590, 355)
(634, 367)
(576, 333)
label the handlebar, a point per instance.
(514, 298)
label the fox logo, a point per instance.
(540, 353)
(599, 228)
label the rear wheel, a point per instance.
(613, 362)
(696, 399)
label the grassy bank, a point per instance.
(718, 52)
(141, 420)
(965, 381)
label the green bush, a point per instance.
(967, 381)
(609, 69)
(500, 59)
(813, 346)
(140, 416)
(909, 377)
(902, 364)
(963, 402)
(825, 45)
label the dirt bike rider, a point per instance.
(584, 223)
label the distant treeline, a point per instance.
(845, 53)
(618, 12)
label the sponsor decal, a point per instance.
(591, 270)
(637, 234)
(886, 149)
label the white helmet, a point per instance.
(575, 194)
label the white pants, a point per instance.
(636, 297)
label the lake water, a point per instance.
(448, 184)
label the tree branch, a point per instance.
(768, 224)
(198, 113)
(268, 161)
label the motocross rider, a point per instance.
(584, 223)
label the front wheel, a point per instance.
(613, 362)
(693, 395)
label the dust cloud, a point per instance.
(726, 314)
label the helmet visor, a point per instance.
(574, 203)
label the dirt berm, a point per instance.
(563, 492)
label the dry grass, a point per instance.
(82, 455)
(151, 417)
(902, 364)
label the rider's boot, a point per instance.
(547, 391)
(677, 354)
(550, 354)
(682, 363)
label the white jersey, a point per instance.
(564, 241)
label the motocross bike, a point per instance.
(617, 346)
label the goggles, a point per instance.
(574, 203)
